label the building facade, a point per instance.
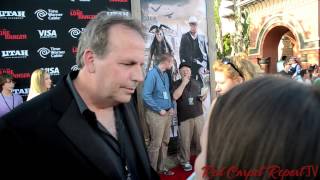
(283, 28)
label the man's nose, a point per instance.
(137, 74)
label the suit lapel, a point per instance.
(76, 128)
(130, 118)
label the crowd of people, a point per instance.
(87, 126)
(292, 69)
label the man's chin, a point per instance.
(125, 99)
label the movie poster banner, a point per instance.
(168, 25)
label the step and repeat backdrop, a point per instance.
(44, 34)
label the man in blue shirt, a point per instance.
(159, 111)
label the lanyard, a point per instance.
(162, 78)
(7, 103)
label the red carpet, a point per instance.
(180, 174)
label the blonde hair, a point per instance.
(37, 83)
(248, 69)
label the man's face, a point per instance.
(169, 63)
(120, 70)
(193, 27)
(159, 36)
(223, 83)
(185, 72)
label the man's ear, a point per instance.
(89, 60)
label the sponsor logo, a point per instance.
(6, 54)
(118, 13)
(81, 0)
(118, 0)
(12, 14)
(74, 50)
(47, 33)
(23, 92)
(15, 75)
(75, 68)
(8, 36)
(53, 71)
(53, 15)
(79, 14)
(53, 51)
(75, 32)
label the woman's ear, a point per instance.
(240, 79)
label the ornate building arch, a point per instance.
(275, 21)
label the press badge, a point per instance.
(190, 100)
(165, 95)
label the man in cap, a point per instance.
(187, 93)
(193, 48)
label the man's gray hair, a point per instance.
(96, 34)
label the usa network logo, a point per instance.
(47, 33)
(52, 14)
(53, 71)
(75, 32)
(53, 52)
(8, 36)
(79, 14)
(7, 54)
(12, 14)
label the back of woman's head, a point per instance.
(263, 122)
(248, 69)
(37, 83)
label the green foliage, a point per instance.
(227, 48)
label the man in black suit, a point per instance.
(87, 126)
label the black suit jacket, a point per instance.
(47, 137)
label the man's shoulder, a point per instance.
(201, 37)
(184, 35)
(152, 72)
(37, 109)
(176, 84)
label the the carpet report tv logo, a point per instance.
(53, 15)
(7, 54)
(272, 171)
(12, 14)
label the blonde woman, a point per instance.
(40, 83)
(231, 72)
